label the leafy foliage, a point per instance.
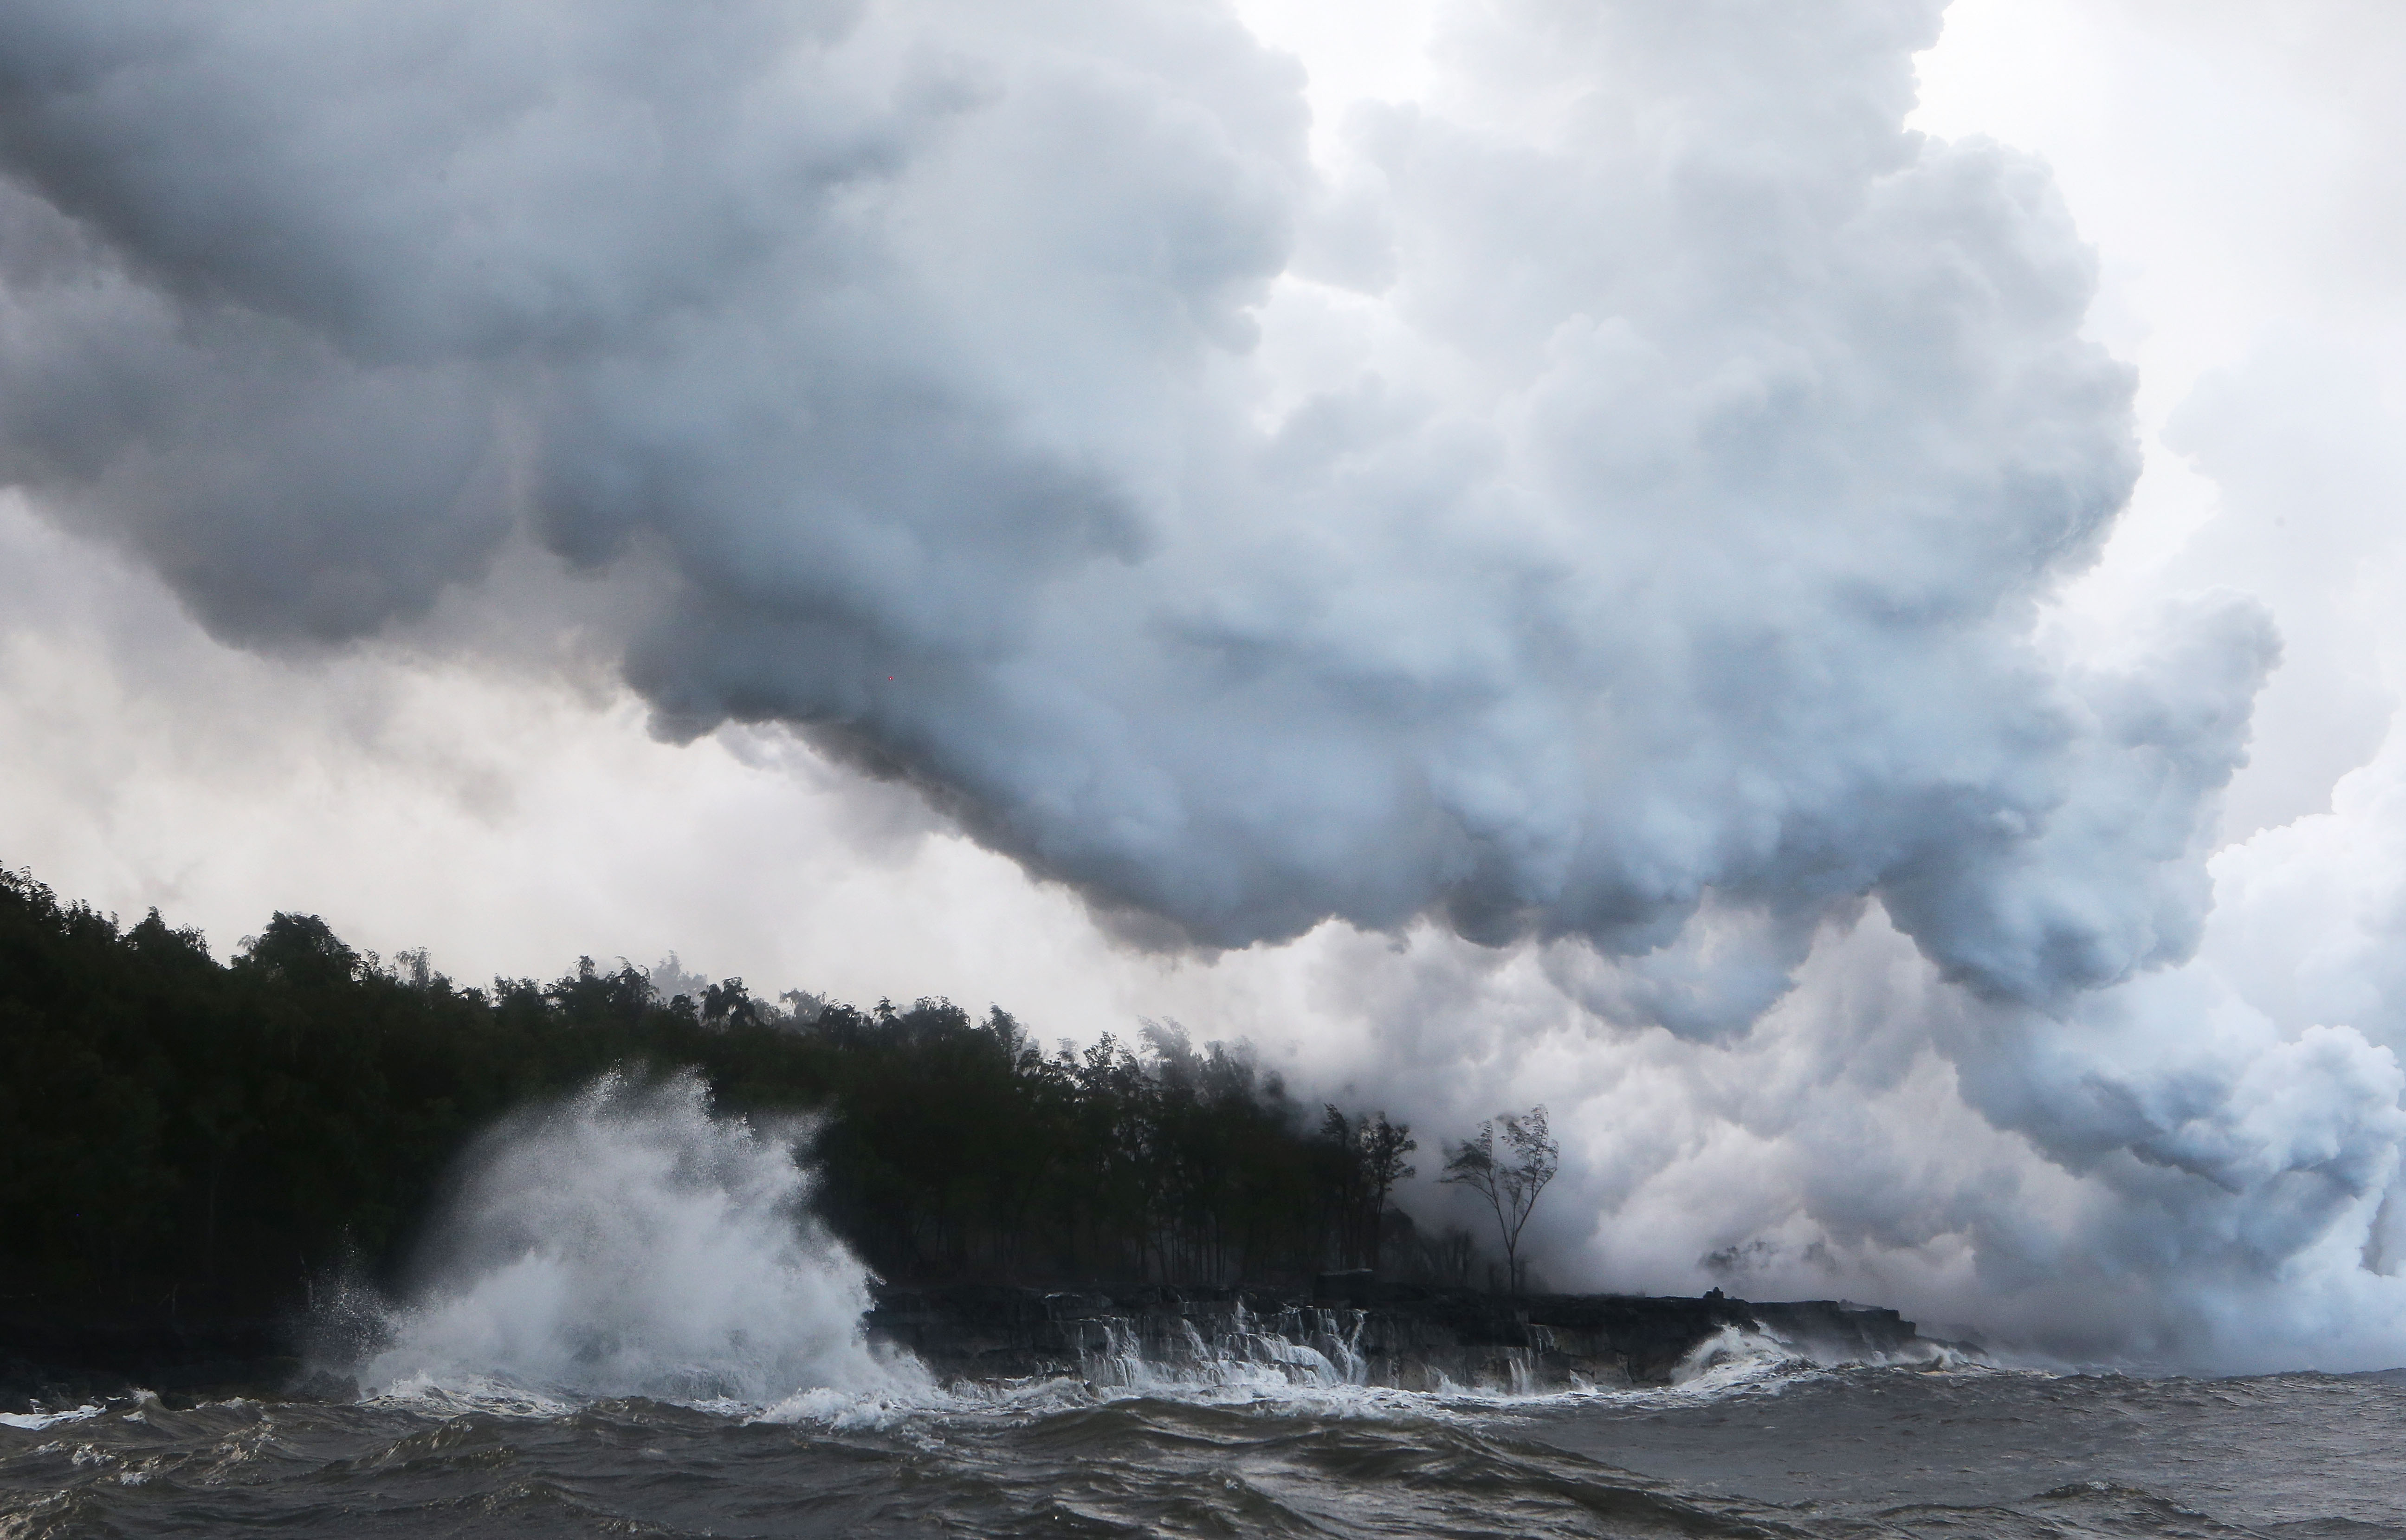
(186, 1137)
(1511, 1181)
(1370, 1161)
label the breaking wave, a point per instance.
(630, 1243)
(633, 1242)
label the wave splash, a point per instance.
(630, 1243)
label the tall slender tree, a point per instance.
(1383, 1146)
(1511, 1181)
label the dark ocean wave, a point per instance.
(1827, 1454)
(1135, 1467)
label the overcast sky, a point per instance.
(1495, 558)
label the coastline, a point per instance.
(1406, 1336)
(1381, 1333)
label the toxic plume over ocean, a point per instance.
(1608, 559)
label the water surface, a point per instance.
(1782, 1450)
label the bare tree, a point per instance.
(1509, 1182)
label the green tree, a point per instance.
(193, 1137)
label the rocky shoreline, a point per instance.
(1345, 1328)
(50, 1363)
(1353, 1328)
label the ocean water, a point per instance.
(1781, 1448)
(628, 1325)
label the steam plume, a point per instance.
(1697, 553)
(1613, 511)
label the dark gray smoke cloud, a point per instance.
(1628, 490)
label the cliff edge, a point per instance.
(1350, 1328)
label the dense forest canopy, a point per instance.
(210, 1139)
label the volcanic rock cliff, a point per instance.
(1350, 1328)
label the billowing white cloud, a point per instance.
(1620, 511)
(915, 344)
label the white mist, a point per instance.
(630, 1242)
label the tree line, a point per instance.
(188, 1138)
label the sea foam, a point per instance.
(630, 1241)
